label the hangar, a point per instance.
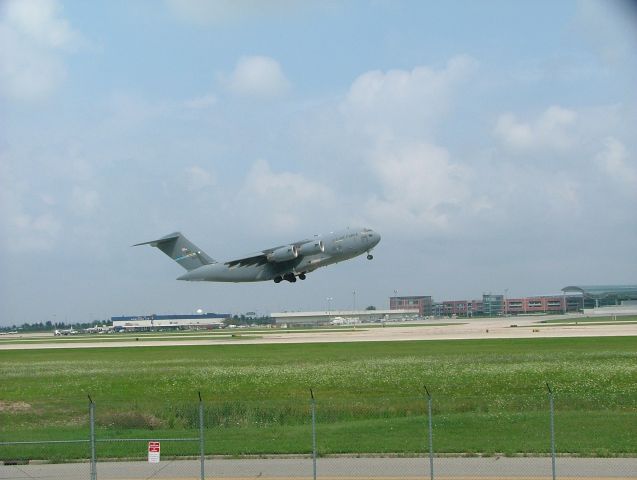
(342, 317)
(595, 296)
(166, 322)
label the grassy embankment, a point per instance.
(489, 396)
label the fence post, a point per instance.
(552, 414)
(201, 440)
(313, 435)
(91, 417)
(431, 438)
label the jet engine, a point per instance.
(284, 254)
(312, 248)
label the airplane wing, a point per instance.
(262, 258)
(259, 259)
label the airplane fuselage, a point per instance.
(337, 247)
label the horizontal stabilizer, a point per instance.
(154, 243)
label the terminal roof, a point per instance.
(604, 291)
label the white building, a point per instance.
(176, 321)
(342, 317)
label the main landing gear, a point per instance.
(290, 277)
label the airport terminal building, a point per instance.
(583, 298)
(596, 296)
(590, 300)
(424, 304)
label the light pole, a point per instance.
(354, 300)
(506, 307)
(563, 302)
(329, 304)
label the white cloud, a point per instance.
(39, 20)
(26, 72)
(558, 194)
(34, 38)
(420, 186)
(383, 134)
(615, 162)
(84, 201)
(257, 76)
(25, 229)
(198, 178)
(285, 200)
(552, 129)
(38, 232)
(609, 29)
(401, 102)
(390, 119)
(262, 181)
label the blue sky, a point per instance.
(490, 143)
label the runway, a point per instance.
(490, 328)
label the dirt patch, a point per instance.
(14, 407)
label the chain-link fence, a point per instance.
(535, 436)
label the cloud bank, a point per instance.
(35, 38)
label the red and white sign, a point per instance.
(153, 452)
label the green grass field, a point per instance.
(488, 395)
(616, 320)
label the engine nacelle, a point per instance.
(312, 248)
(284, 254)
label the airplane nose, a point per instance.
(376, 238)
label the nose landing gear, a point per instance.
(370, 256)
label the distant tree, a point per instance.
(371, 307)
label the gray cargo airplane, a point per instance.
(286, 262)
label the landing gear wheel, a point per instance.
(301, 276)
(277, 279)
(370, 256)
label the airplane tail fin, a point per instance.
(181, 250)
